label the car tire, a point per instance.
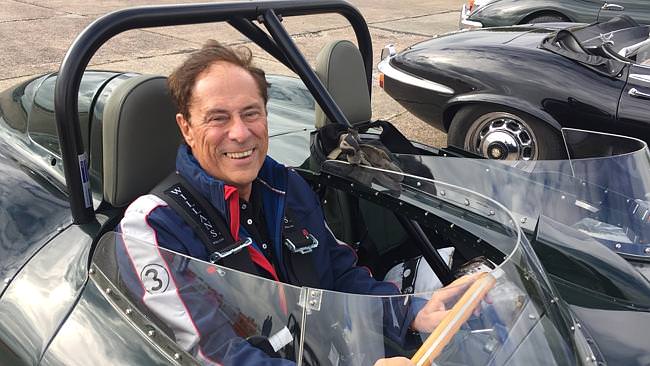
(503, 133)
(547, 18)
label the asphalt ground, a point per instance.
(35, 35)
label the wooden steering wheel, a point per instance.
(451, 323)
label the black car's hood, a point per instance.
(486, 36)
(420, 58)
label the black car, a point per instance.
(497, 13)
(505, 92)
(564, 247)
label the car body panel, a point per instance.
(38, 300)
(581, 261)
(637, 9)
(512, 12)
(33, 212)
(633, 107)
(96, 325)
(508, 75)
(629, 346)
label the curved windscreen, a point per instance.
(500, 315)
(602, 189)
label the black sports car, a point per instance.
(497, 13)
(505, 92)
(564, 244)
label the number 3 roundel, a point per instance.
(154, 278)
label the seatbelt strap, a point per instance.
(206, 223)
(297, 248)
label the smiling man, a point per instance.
(246, 212)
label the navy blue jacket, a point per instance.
(149, 219)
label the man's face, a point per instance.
(227, 129)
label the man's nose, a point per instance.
(239, 131)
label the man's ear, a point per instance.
(186, 131)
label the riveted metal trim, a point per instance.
(131, 314)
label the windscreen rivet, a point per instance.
(128, 311)
(466, 202)
(442, 193)
(532, 316)
(618, 245)
(491, 213)
(177, 356)
(376, 193)
(91, 271)
(563, 197)
(426, 214)
(108, 291)
(487, 169)
(418, 184)
(151, 333)
(312, 302)
(523, 220)
(401, 203)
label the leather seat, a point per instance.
(140, 138)
(340, 68)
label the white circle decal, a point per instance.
(154, 278)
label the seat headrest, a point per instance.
(140, 138)
(339, 66)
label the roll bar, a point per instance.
(239, 15)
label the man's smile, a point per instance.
(239, 155)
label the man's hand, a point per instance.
(394, 361)
(441, 301)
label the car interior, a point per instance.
(620, 39)
(133, 160)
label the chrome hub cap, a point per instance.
(501, 136)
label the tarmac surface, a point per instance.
(35, 35)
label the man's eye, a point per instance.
(218, 119)
(251, 115)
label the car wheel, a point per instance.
(548, 18)
(504, 134)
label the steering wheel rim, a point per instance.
(451, 323)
